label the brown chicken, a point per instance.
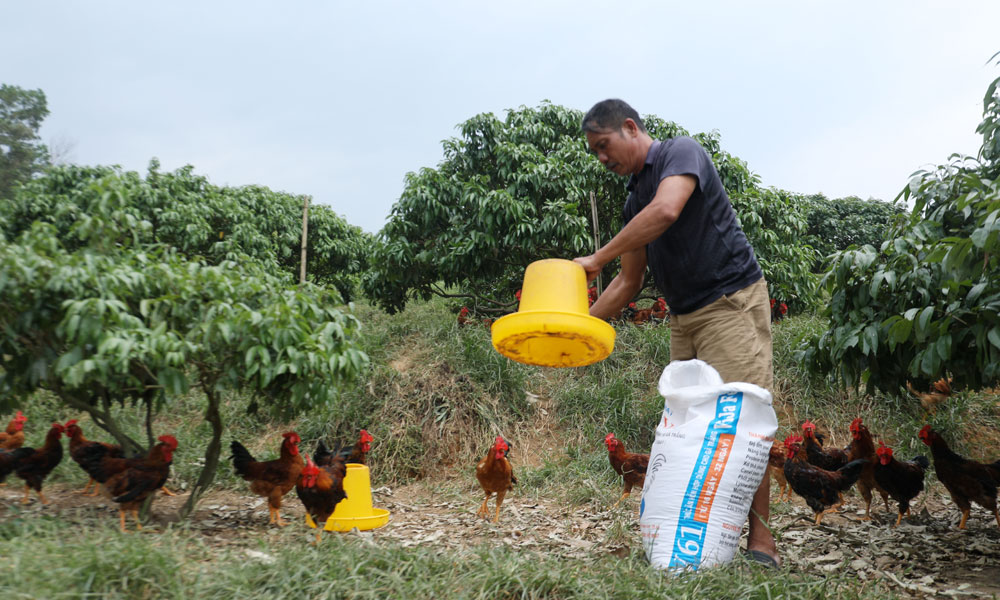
(967, 481)
(87, 453)
(940, 391)
(130, 487)
(35, 467)
(659, 309)
(903, 480)
(830, 459)
(495, 476)
(361, 448)
(320, 489)
(821, 488)
(13, 437)
(776, 465)
(631, 466)
(274, 478)
(863, 446)
(463, 316)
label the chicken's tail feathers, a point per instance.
(144, 486)
(922, 461)
(512, 478)
(851, 472)
(241, 457)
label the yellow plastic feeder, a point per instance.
(355, 510)
(552, 326)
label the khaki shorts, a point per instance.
(733, 334)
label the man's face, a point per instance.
(612, 149)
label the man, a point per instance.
(679, 220)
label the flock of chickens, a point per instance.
(318, 480)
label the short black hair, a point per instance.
(610, 115)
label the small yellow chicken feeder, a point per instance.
(355, 510)
(553, 326)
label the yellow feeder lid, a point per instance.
(553, 326)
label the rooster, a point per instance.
(967, 481)
(495, 476)
(274, 478)
(940, 391)
(86, 452)
(130, 486)
(321, 488)
(631, 466)
(862, 446)
(359, 452)
(659, 310)
(13, 437)
(903, 480)
(463, 316)
(35, 467)
(9, 460)
(821, 488)
(778, 310)
(831, 459)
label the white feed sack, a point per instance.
(708, 458)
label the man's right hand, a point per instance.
(590, 265)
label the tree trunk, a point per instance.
(597, 239)
(305, 231)
(212, 453)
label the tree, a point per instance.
(514, 191)
(841, 223)
(109, 319)
(22, 155)
(186, 212)
(926, 303)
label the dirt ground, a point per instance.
(927, 556)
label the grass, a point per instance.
(436, 395)
(102, 563)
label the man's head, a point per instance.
(616, 134)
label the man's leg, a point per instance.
(733, 334)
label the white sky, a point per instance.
(340, 100)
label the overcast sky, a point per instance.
(339, 100)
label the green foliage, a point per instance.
(514, 191)
(200, 220)
(841, 223)
(927, 302)
(22, 155)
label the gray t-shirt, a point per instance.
(704, 254)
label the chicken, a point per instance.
(862, 446)
(631, 466)
(13, 437)
(903, 480)
(361, 448)
(323, 457)
(940, 391)
(821, 488)
(86, 452)
(831, 459)
(640, 315)
(463, 316)
(320, 489)
(967, 481)
(130, 487)
(495, 476)
(659, 310)
(776, 465)
(35, 467)
(778, 310)
(9, 460)
(274, 478)
(591, 295)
